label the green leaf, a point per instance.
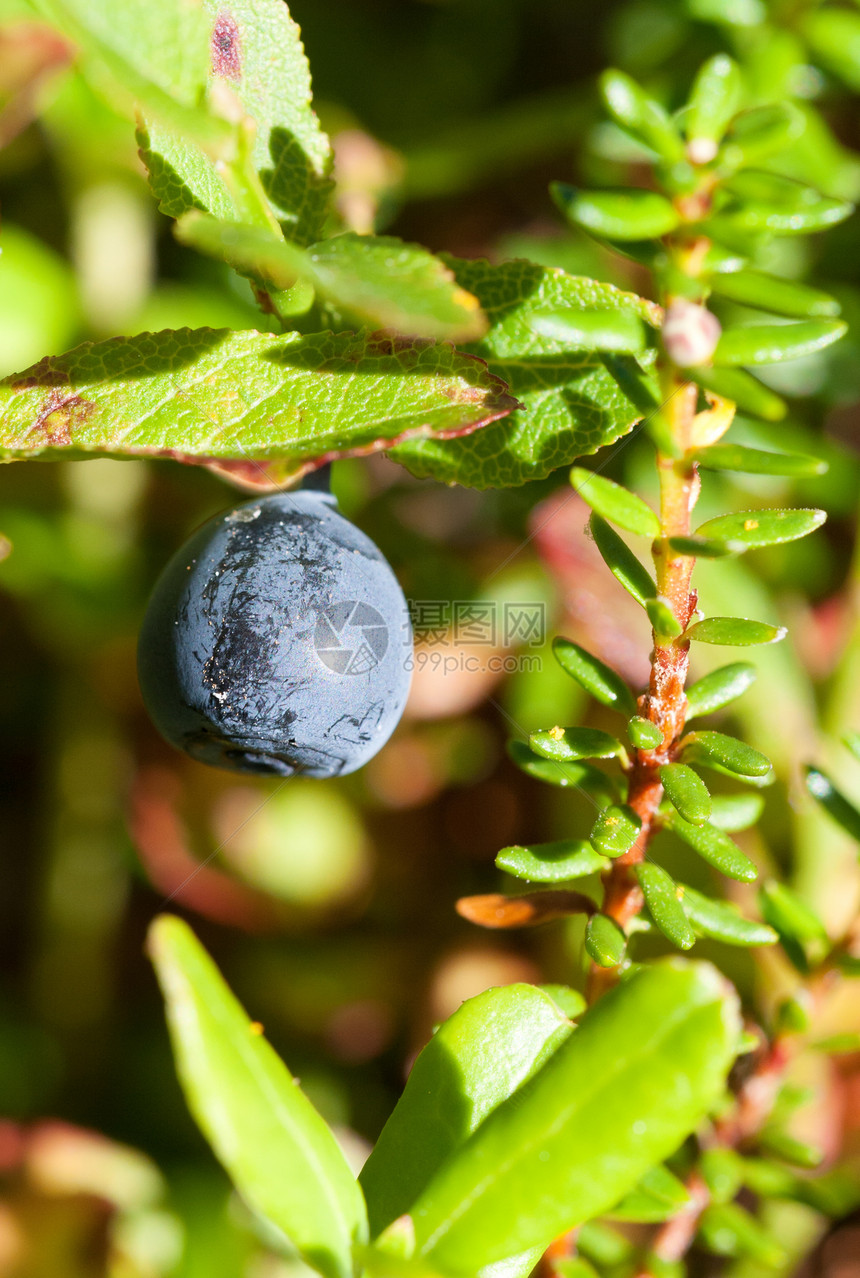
(716, 848)
(796, 217)
(834, 802)
(621, 561)
(736, 811)
(723, 921)
(743, 389)
(630, 214)
(852, 740)
(599, 330)
(642, 115)
(551, 862)
(770, 293)
(661, 897)
(198, 394)
(719, 688)
(644, 734)
(615, 503)
(790, 915)
(763, 527)
(734, 632)
(687, 792)
(603, 1244)
(277, 1150)
(706, 747)
(666, 625)
(755, 461)
(577, 775)
(376, 281)
(615, 830)
(797, 1152)
(658, 1196)
(705, 548)
(722, 1170)
(477, 1059)
(574, 743)
(726, 1229)
(290, 151)
(713, 101)
(636, 1077)
(834, 35)
(569, 1001)
(593, 675)
(759, 132)
(773, 343)
(571, 404)
(605, 942)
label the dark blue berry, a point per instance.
(277, 640)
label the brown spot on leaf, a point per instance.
(224, 46)
(59, 415)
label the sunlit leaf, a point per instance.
(615, 830)
(687, 792)
(615, 502)
(834, 802)
(723, 921)
(659, 1196)
(574, 743)
(621, 561)
(631, 214)
(664, 906)
(773, 343)
(713, 101)
(579, 774)
(597, 330)
(593, 675)
(716, 848)
(706, 747)
(770, 293)
(644, 734)
(755, 461)
(605, 943)
(642, 115)
(551, 862)
(742, 389)
(763, 527)
(734, 632)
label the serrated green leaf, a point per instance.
(834, 802)
(621, 561)
(377, 281)
(279, 1153)
(773, 343)
(654, 1051)
(687, 792)
(630, 214)
(705, 547)
(598, 330)
(666, 625)
(578, 775)
(713, 101)
(726, 1229)
(658, 1196)
(756, 461)
(593, 675)
(290, 151)
(758, 133)
(723, 921)
(199, 394)
(551, 862)
(644, 734)
(763, 527)
(716, 848)
(614, 502)
(615, 830)
(706, 747)
(734, 632)
(735, 811)
(742, 389)
(636, 111)
(571, 404)
(665, 908)
(770, 293)
(605, 943)
(477, 1059)
(574, 743)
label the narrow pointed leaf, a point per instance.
(666, 624)
(756, 461)
(377, 281)
(789, 914)
(742, 389)
(763, 527)
(577, 775)
(478, 1058)
(800, 216)
(621, 561)
(639, 113)
(720, 688)
(658, 1196)
(551, 862)
(834, 802)
(615, 830)
(759, 132)
(280, 1154)
(774, 343)
(705, 547)
(799, 1153)
(615, 502)
(200, 394)
(593, 675)
(713, 101)
(605, 943)
(735, 811)
(770, 293)
(717, 849)
(723, 921)
(574, 743)
(633, 1080)
(617, 215)
(593, 330)
(661, 897)
(727, 1229)
(705, 747)
(734, 632)
(687, 792)
(852, 740)
(644, 734)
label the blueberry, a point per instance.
(277, 640)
